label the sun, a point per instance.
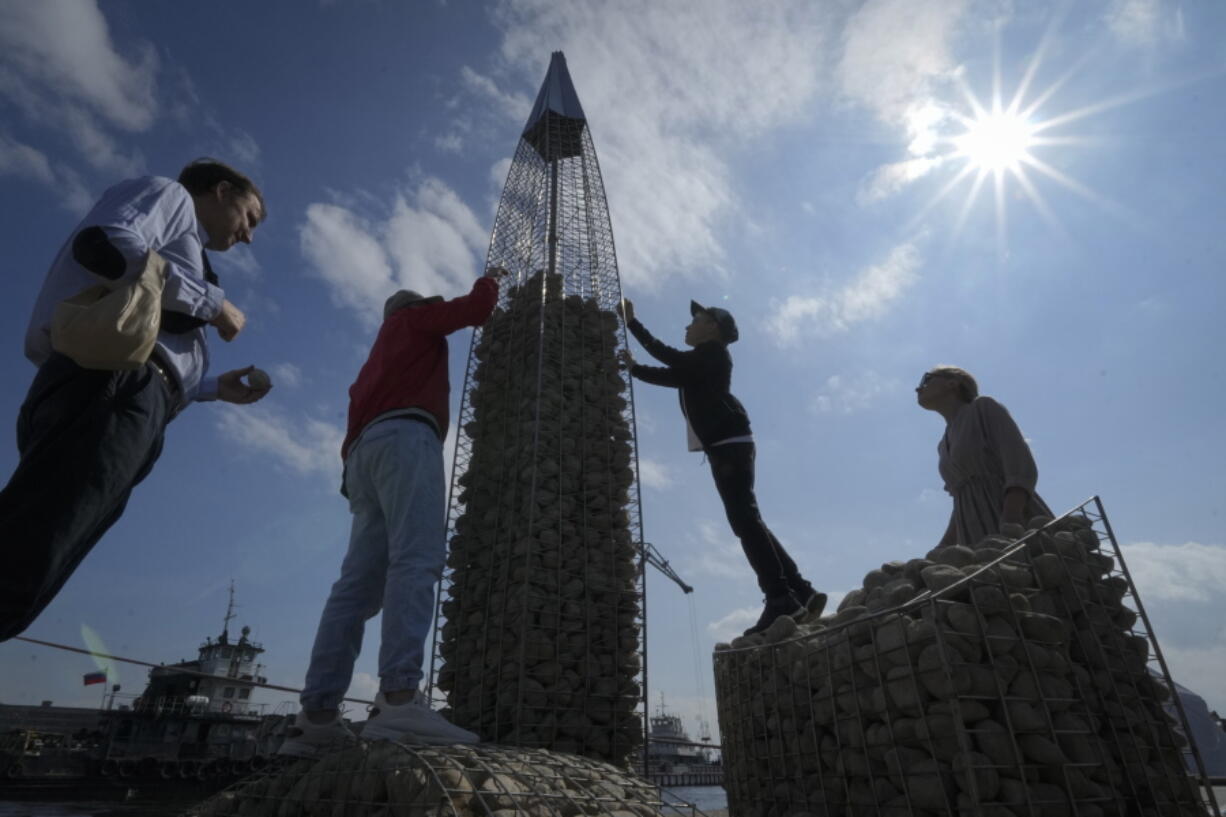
(1002, 145)
(996, 141)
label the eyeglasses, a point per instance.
(927, 377)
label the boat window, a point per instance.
(228, 692)
(244, 693)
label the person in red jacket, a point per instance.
(394, 480)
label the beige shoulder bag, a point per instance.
(114, 325)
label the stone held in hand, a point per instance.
(258, 379)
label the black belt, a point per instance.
(159, 365)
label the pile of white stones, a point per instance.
(1001, 680)
(542, 640)
(396, 780)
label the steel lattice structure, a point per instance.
(541, 640)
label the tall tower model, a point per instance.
(542, 638)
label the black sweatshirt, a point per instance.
(703, 376)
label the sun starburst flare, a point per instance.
(1006, 142)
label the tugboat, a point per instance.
(674, 759)
(193, 722)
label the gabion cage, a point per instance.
(541, 640)
(1016, 678)
(388, 779)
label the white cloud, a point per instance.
(450, 143)
(843, 394)
(666, 85)
(719, 553)
(734, 624)
(305, 446)
(1190, 572)
(98, 147)
(65, 47)
(210, 137)
(896, 53)
(431, 245)
(242, 149)
(1145, 23)
(1199, 668)
(737, 621)
(17, 159)
(345, 253)
(286, 374)
(888, 179)
(513, 106)
(23, 161)
(654, 474)
(66, 76)
(866, 297)
(893, 50)
(498, 173)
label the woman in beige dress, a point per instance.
(983, 458)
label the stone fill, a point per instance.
(1006, 679)
(542, 634)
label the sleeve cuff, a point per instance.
(207, 390)
(214, 297)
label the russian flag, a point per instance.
(95, 678)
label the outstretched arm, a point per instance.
(658, 349)
(467, 310)
(655, 375)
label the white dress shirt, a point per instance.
(138, 215)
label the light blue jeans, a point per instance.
(394, 478)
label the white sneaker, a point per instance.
(306, 739)
(414, 722)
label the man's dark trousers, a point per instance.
(86, 438)
(732, 465)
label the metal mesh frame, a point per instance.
(388, 778)
(540, 638)
(1029, 684)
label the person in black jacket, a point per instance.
(717, 424)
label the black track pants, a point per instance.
(732, 466)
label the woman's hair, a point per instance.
(202, 175)
(968, 389)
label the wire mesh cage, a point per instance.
(541, 635)
(388, 779)
(1018, 677)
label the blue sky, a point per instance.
(795, 162)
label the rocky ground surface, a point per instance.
(956, 682)
(387, 779)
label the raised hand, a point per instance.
(229, 321)
(626, 308)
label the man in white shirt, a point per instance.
(88, 436)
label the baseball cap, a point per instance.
(723, 319)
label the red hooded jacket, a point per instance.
(407, 366)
